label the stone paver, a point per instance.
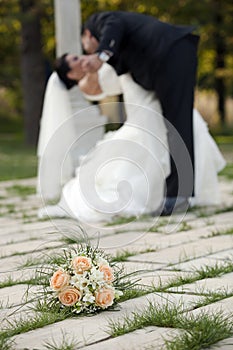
(226, 344)
(91, 329)
(185, 251)
(176, 254)
(137, 340)
(217, 284)
(200, 263)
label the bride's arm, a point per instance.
(89, 85)
(105, 82)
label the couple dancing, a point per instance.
(151, 164)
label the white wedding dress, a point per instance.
(126, 172)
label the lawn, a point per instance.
(16, 160)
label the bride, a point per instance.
(125, 173)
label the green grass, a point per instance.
(33, 281)
(21, 191)
(121, 220)
(135, 292)
(184, 226)
(123, 255)
(213, 297)
(214, 271)
(198, 274)
(17, 160)
(64, 344)
(227, 171)
(228, 231)
(199, 331)
(225, 139)
(152, 315)
(26, 324)
(224, 210)
(10, 208)
(6, 343)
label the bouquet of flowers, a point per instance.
(84, 280)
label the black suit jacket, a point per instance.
(138, 43)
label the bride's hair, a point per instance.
(62, 68)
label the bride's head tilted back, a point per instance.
(62, 68)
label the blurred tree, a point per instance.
(212, 17)
(26, 34)
(32, 68)
(9, 55)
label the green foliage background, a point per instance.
(199, 13)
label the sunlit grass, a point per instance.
(22, 191)
(17, 160)
(198, 331)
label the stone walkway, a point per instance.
(167, 248)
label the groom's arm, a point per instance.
(111, 31)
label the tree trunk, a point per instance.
(220, 48)
(32, 69)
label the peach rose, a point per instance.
(69, 296)
(59, 280)
(81, 264)
(104, 297)
(108, 273)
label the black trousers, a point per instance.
(174, 86)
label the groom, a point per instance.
(162, 58)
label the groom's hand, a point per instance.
(91, 63)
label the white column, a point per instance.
(68, 29)
(67, 26)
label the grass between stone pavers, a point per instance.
(200, 331)
(205, 212)
(152, 315)
(198, 274)
(125, 254)
(20, 190)
(8, 208)
(184, 226)
(215, 270)
(6, 343)
(26, 324)
(209, 297)
(67, 343)
(33, 281)
(31, 251)
(156, 228)
(215, 233)
(120, 256)
(14, 211)
(45, 318)
(120, 220)
(224, 210)
(209, 222)
(153, 228)
(46, 259)
(12, 241)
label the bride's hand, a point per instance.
(91, 63)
